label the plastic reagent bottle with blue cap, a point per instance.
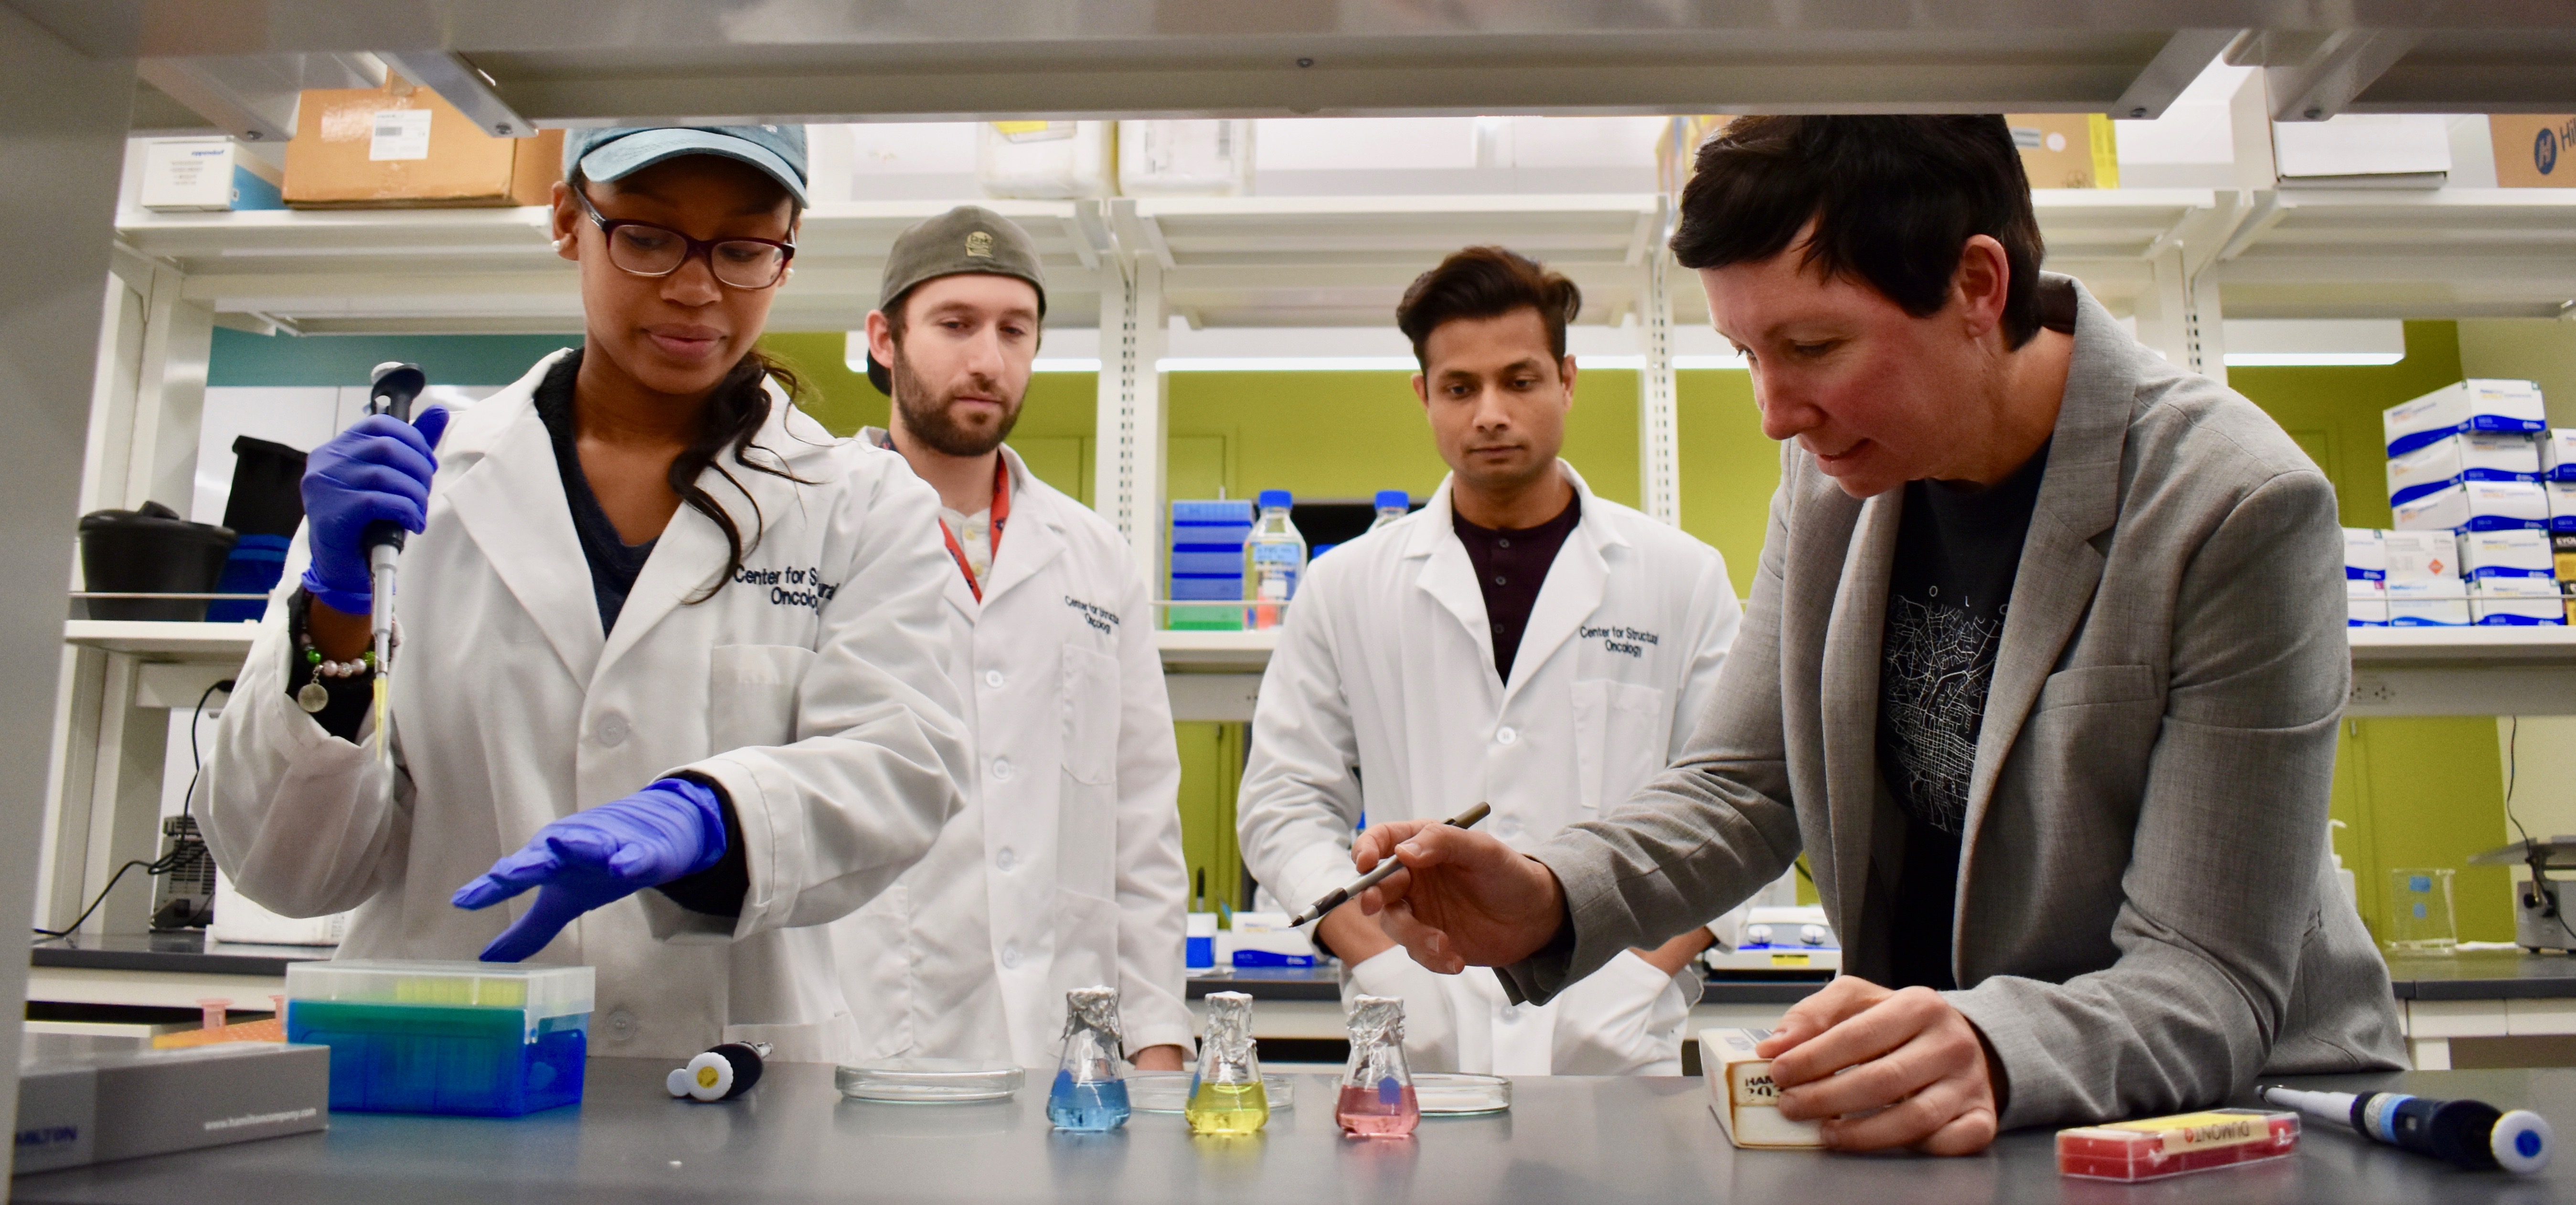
(2464, 1133)
(1391, 506)
(1274, 558)
(1090, 1092)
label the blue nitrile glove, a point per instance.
(597, 856)
(377, 469)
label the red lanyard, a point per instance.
(1001, 516)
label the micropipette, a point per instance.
(391, 389)
(2464, 1133)
(1344, 894)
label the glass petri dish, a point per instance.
(1169, 1091)
(927, 1081)
(1457, 1094)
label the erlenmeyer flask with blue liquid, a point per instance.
(1090, 1092)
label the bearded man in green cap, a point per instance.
(1064, 869)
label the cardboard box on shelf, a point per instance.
(2066, 150)
(2531, 149)
(402, 147)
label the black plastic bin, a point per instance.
(266, 506)
(150, 551)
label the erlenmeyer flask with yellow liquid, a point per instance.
(1226, 1096)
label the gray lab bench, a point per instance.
(1578, 1140)
(2481, 994)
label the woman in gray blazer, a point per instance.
(2042, 672)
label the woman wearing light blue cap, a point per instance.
(671, 653)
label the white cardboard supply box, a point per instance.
(1741, 1094)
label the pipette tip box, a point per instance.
(2156, 1147)
(473, 1038)
(1742, 1095)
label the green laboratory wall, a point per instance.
(2414, 792)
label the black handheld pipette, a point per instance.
(1346, 893)
(391, 389)
(2464, 1133)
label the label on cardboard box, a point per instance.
(2532, 149)
(399, 134)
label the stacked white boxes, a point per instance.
(2424, 584)
(2365, 576)
(2464, 458)
(2477, 483)
(2510, 580)
(2558, 477)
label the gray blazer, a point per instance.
(2146, 917)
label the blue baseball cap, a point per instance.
(615, 153)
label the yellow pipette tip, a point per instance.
(380, 716)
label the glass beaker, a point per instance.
(1090, 1091)
(1226, 1096)
(1377, 1098)
(2420, 919)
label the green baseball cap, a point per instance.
(612, 154)
(967, 239)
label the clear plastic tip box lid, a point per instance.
(490, 1039)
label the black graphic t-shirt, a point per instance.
(1957, 553)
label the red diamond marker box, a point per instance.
(2156, 1147)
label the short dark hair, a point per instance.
(1486, 282)
(1893, 200)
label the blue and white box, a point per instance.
(2475, 506)
(2558, 454)
(2475, 456)
(2424, 586)
(184, 174)
(2562, 504)
(2519, 553)
(2365, 577)
(2516, 602)
(2478, 404)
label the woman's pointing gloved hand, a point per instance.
(597, 856)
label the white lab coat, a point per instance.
(809, 685)
(1064, 870)
(1386, 665)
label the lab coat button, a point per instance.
(1011, 956)
(993, 678)
(1006, 859)
(1506, 735)
(612, 730)
(1507, 828)
(621, 1025)
(1001, 769)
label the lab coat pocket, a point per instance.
(1090, 716)
(1620, 738)
(751, 694)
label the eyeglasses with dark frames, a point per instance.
(644, 249)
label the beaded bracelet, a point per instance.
(363, 663)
